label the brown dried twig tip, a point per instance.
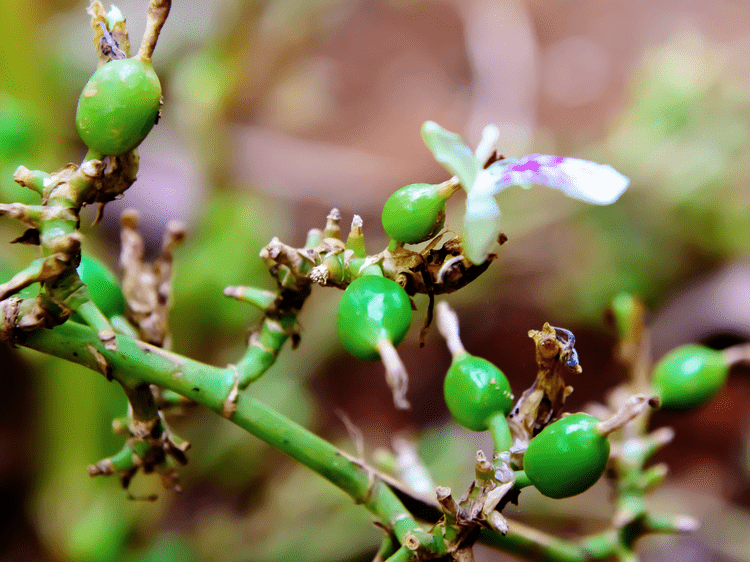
(148, 286)
(543, 402)
(634, 406)
(333, 225)
(158, 10)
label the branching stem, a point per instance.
(137, 364)
(210, 387)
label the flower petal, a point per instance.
(481, 227)
(591, 182)
(487, 145)
(450, 150)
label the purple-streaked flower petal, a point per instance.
(591, 182)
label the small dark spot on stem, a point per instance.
(196, 389)
(75, 354)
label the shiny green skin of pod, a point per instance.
(689, 376)
(103, 286)
(567, 457)
(372, 308)
(118, 106)
(414, 213)
(474, 390)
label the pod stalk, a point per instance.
(395, 373)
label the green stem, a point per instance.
(122, 326)
(314, 238)
(33, 179)
(262, 299)
(212, 387)
(601, 545)
(533, 545)
(388, 547)
(356, 241)
(669, 523)
(30, 215)
(403, 554)
(263, 348)
(498, 428)
(94, 317)
(522, 481)
(93, 155)
(124, 459)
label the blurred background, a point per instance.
(276, 111)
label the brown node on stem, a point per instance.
(148, 286)
(543, 402)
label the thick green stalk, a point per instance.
(522, 481)
(136, 364)
(388, 546)
(602, 545)
(403, 554)
(501, 437)
(533, 545)
(263, 348)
